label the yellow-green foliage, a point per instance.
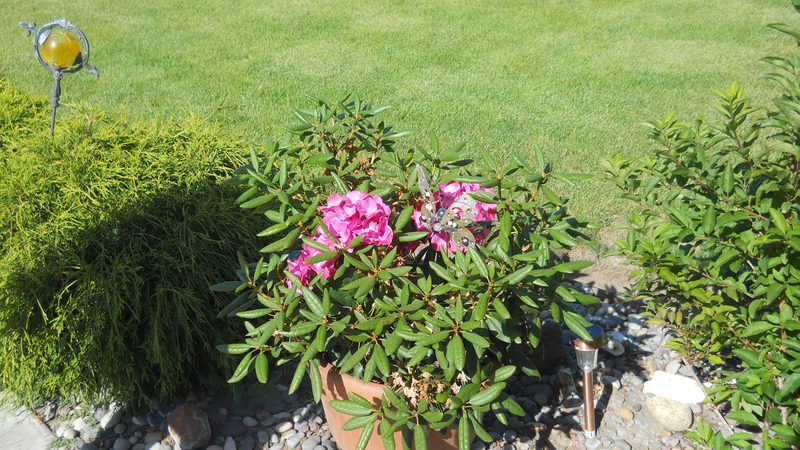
(110, 235)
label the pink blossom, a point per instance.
(447, 194)
(355, 214)
(346, 216)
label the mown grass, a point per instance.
(570, 78)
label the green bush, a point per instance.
(718, 240)
(110, 235)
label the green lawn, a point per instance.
(572, 78)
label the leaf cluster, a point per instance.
(110, 234)
(718, 240)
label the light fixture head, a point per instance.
(586, 350)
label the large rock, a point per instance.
(675, 387)
(671, 414)
(188, 425)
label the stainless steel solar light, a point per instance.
(586, 354)
(61, 48)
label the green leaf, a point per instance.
(234, 349)
(479, 430)
(358, 422)
(429, 340)
(576, 323)
(750, 357)
(778, 220)
(387, 435)
(573, 266)
(243, 368)
(477, 340)
(403, 218)
(420, 437)
(503, 373)
(463, 432)
(262, 368)
(478, 261)
(412, 236)
(228, 286)
(283, 243)
(381, 360)
(488, 395)
(709, 221)
(321, 257)
(757, 328)
(350, 408)
(790, 385)
(354, 358)
(316, 380)
(782, 27)
(456, 353)
(743, 417)
(366, 434)
(297, 378)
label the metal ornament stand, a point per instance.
(40, 35)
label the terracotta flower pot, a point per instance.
(335, 386)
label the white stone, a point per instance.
(617, 336)
(153, 436)
(112, 417)
(613, 346)
(284, 427)
(230, 444)
(675, 387)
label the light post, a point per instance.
(586, 354)
(61, 48)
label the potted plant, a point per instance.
(400, 268)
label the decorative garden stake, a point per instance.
(586, 354)
(61, 48)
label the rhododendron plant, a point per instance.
(351, 278)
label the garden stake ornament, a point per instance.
(586, 354)
(61, 48)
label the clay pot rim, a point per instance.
(372, 387)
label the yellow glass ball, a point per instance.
(61, 49)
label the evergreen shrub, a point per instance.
(110, 235)
(718, 239)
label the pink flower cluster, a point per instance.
(346, 217)
(448, 193)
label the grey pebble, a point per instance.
(622, 445)
(247, 443)
(509, 436)
(121, 444)
(278, 446)
(311, 442)
(263, 436)
(249, 422)
(592, 443)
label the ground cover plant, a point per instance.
(571, 79)
(718, 239)
(110, 235)
(402, 267)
